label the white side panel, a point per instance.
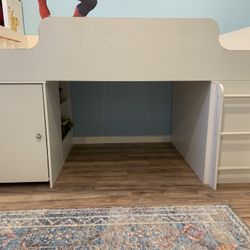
(190, 123)
(213, 135)
(23, 157)
(55, 151)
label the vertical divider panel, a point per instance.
(190, 123)
(66, 112)
(53, 128)
(213, 137)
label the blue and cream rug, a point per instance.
(189, 228)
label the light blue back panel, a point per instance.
(116, 109)
(87, 109)
(134, 109)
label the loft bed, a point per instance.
(186, 52)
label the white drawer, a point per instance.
(236, 115)
(235, 152)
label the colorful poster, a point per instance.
(13, 15)
(82, 9)
(1, 14)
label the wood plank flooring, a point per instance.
(152, 174)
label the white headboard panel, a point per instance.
(125, 49)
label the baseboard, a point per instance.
(121, 139)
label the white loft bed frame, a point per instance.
(185, 51)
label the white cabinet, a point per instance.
(23, 146)
(31, 146)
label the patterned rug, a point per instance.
(189, 228)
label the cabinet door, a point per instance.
(23, 151)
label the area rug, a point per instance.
(189, 228)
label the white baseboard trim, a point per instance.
(121, 139)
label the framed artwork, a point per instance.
(1, 14)
(13, 15)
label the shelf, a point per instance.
(66, 126)
(67, 134)
(67, 143)
(64, 102)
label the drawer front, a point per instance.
(236, 115)
(236, 87)
(235, 152)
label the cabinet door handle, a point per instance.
(38, 136)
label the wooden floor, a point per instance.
(124, 175)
